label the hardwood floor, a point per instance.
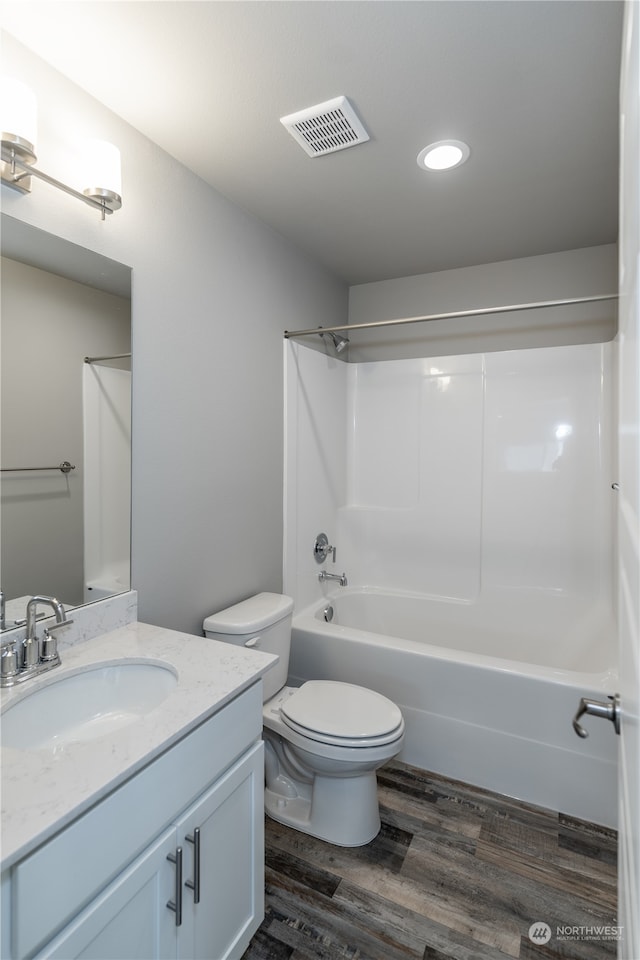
(456, 873)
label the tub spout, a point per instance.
(340, 577)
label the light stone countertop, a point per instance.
(43, 790)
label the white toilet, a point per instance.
(323, 740)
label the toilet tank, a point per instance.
(263, 623)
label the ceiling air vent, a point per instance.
(325, 128)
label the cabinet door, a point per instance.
(230, 822)
(130, 919)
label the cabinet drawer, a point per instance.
(63, 875)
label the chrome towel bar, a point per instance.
(64, 467)
(114, 356)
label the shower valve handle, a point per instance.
(322, 548)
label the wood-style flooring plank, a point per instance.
(331, 927)
(456, 873)
(556, 883)
(362, 868)
(416, 817)
(467, 889)
(451, 793)
(406, 926)
(577, 851)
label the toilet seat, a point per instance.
(342, 714)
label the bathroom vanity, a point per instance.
(144, 840)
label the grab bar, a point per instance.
(64, 467)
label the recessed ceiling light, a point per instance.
(443, 155)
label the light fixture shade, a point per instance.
(101, 172)
(18, 114)
(443, 155)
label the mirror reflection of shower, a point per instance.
(82, 309)
(107, 474)
(339, 342)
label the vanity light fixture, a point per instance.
(101, 165)
(18, 123)
(443, 155)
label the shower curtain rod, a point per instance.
(482, 311)
(116, 356)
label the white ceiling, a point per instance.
(532, 87)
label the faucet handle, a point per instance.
(58, 626)
(49, 646)
(9, 660)
(21, 621)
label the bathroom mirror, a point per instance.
(65, 531)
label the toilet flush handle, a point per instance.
(253, 642)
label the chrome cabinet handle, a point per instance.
(598, 708)
(176, 905)
(194, 884)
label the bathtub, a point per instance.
(488, 691)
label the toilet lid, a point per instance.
(342, 713)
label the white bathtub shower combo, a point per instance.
(470, 501)
(475, 710)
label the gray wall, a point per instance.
(48, 325)
(213, 289)
(586, 272)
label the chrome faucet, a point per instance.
(30, 657)
(340, 577)
(58, 609)
(31, 645)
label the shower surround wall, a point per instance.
(315, 456)
(480, 479)
(479, 475)
(107, 480)
(470, 502)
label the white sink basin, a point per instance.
(83, 706)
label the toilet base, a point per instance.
(341, 810)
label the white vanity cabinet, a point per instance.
(230, 823)
(130, 918)
(100, 889)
